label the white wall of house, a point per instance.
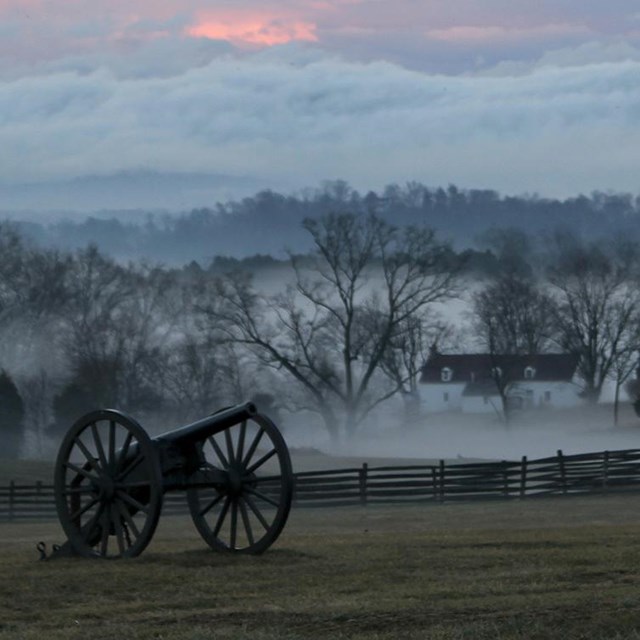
(557, 395)
(436, 397)
(481, 404)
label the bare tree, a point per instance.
(330, 331)
(599, 304)
(37, 391)
(512, 317)
(33, 292)
(115, 328)
(408, 350)
(625, 363)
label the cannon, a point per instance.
(110, 478)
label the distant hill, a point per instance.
(269, 222)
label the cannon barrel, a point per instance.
(209, 426)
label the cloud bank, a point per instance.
(295, 115)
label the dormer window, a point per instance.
(446, 374)
(529, 373)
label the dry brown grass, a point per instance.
(562, 568)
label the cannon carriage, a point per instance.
(110, 478)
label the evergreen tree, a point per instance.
(11, 417)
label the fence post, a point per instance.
(505, 479)
(12, 498)
(294, 497)
(434, 483)
(363, 484)
(563, 475)
(441, 488)
(605, 472)
(523, 478)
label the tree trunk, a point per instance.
(331, 424)
(411, 407)
(616, 401)
(350, 423)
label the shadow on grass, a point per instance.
(201, 557)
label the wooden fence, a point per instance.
(559, 475)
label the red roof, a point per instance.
(548, 367)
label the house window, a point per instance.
(529, 373)
(547, 396)
(496, 372)
(446, 374)
(445, 396)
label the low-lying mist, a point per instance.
(452, 436)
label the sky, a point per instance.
(520, 96)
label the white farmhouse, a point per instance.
(467, 382)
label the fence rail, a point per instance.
(608, 471)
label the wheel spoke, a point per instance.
(99, 447)
(253, 447)
(246, 522)
(222, 516)
(229, 441)
(87, 529)
(256, 512)
(133, 502)
(129, 520)
(87, 454)
(218, 450)
(112, 444)
(81, 471)
(117, 525)
(257, 465)
(212, 504)
(241, 438)
(234, 524)
(262, 496)
(78, 512)
(124, 451)
(104, 539)
(131, 466)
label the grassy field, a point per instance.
(555, 568)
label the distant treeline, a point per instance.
(269, 222)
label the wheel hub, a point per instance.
(107, 487)
(234, 482)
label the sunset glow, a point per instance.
(262, 32)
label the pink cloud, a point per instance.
(254, 30)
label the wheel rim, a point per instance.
(248, 511)
(108, 486)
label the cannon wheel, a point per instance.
(247, 512)
(108, 486)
